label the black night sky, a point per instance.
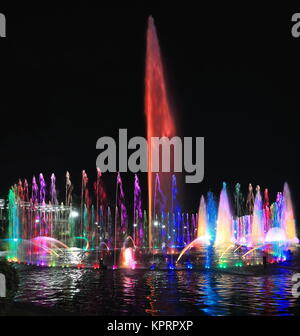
(70, 75)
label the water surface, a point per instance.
(143, 292)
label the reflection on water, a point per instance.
(137, 292)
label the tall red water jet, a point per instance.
(158, 114)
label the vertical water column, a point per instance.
(175, 209)
(279, 202)
(158, 114)
(73, 215)
(184, 229)
(180, 232)
(170, 229)
(274, 215)
(100, 209)
(158, 206)
(69, 189)
(202, 223)
(289, 223)
(224, 234)
(85, 208)
(163, 231)
(120, 197)
(257, 235)
(238, 201)
(110, 228)
(34, 202)
(137, 213)
(54, 202)
(21, 209)
(13, 225)
(27, 209)
(211, 211)
(267, 211)
(249, 212)
(145, 230)
(42, 201)
(187, 228)
(53, 194)
(93, 230)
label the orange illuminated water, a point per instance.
(158, 114)
(289, 219)
(202, 222)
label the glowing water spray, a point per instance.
(202, 230)
(289, 224)
(158, 114)
(138, 231)
(224, 221)
(54, 200)
(257, 234)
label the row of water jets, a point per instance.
(41, 226)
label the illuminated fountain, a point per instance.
(46, 233)
(202, 230)
(121, 220)
(160, 121)
(289, 225)
(257, 234)
(138, 229)
(127, 254)
(224, 234)
(44, 230)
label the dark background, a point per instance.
(70, 75)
